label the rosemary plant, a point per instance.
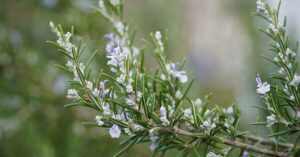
(155, 108)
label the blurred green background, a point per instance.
(218, 39)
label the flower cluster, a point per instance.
(287, 91)
(130, 100)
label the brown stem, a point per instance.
(264, 141)
(234, 143)
(254, 148)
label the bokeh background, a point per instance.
(218, 38)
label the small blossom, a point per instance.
(229, 110)
(297, 114)
(296, 80)
(165, 121)
(260, 6)
(89, 85)
(163, 77)
(262, 88)
(292, 98)
(153, 146)
(137, 127)
(158, 38)
(114, 131)
(130, 102)
(198, 102)
(271, 120)
(188, 114)
(245, 154)
(106, 110)
(101, 5)
(273, 28)
(96, 92)
(163, 118)
(129, 88)
(163, 111)
(72, 94)
(99, 121)
(208, 125)
(281, 71)
(178, 94)
(128, 132)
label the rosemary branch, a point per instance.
(231, 142)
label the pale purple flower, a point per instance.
(153, 146)
(262, 88)
(245, 154)
(260, 6)
(72, 94)
(181, 75)
(114, 131)
(163, 111)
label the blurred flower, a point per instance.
(271, 120)
(262, 88)
(72, 94)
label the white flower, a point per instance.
(72, 94)
(292, 98)
(130, 102)
(81, 68)
(114, 131)
(159, 40)
(290, 52)
(262, 88)
(99, 121)
(212, 154)
(198, 102)
(165, 121)
(188, 114)
(128, 132)
(63, 42)
(101, 5)
(281, 71)
(158, 35)
(260, 6)
(71, 65)
(96, 92)
(273, 28)
(129, 88)
(106, 110)
(208, 125)
(163, 77)
(89, 85)
(137, 127)
(178, 94)
(271, 120)
(296, 80)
